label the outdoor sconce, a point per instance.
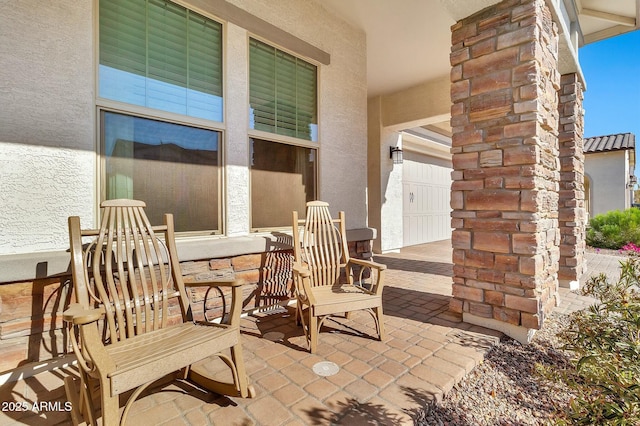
(395, 154)
(632, 181)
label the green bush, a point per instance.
(605, 340)
(614, 229)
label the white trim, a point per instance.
(571, 285)
(521, 334)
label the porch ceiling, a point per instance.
(603, 19)
(408, 42)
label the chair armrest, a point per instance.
(214, 283)
(78, 315)
(84, 321)
(301, 270)
(235, 309)
(302, 284)
(374, 287)
(369, 263)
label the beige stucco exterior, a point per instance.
(47, 122)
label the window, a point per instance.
(167, 59)
(283, 111)
(282, 93)
(282, 180)
(173, 168)
(157, 54)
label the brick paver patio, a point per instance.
(428, 350)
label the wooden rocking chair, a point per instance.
(327, 280)
(126, 282)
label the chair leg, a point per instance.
(74, 397)
(298, 313)
(313, 333)
(80, 393)
(238, 386)
(380, 317)
(110, 407)
(245, 390)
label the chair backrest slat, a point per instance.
(142, 253)
(132, 295)
(130, 271)
(103, 260)
(135, 258)
(321, 244)
(160, 289)
(121, 231)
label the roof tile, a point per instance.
(610, 143)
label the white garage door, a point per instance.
(426, 190)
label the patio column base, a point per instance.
(519, 333)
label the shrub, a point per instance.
(631, 249)
(614, 229)
(605, 340)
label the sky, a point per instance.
(611, 69)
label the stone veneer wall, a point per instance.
(31, 326)
(506, 169)
(572, 208)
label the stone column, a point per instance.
(504, 90)
(572, 208)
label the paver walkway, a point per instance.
(597, 263)
(427, 351)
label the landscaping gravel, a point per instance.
(506, 389)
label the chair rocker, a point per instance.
(327, 280)
(127, 282)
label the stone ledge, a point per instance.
(38, 265)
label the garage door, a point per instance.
(426, 190)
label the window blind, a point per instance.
(161, 55)
(283, 92)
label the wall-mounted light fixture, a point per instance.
(632, 182)
(395, 154)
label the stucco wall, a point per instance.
(391, 210)
(47, 136)
(48, 163)
(608, 172)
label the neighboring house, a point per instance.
(244, 110)
(609, 167)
